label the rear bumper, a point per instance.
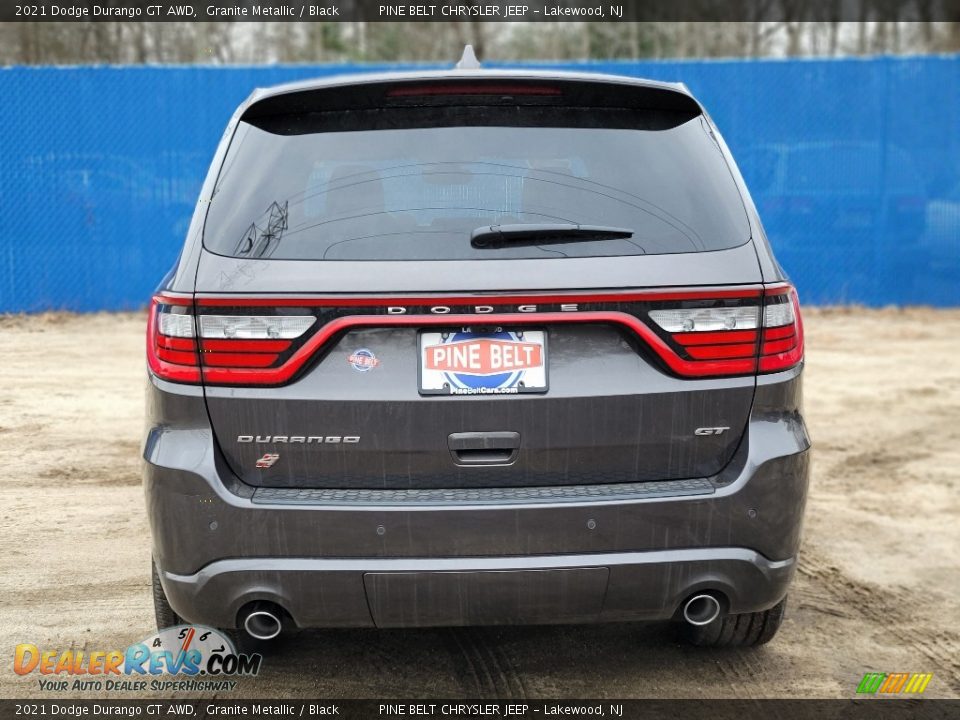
(401, 592)
(634, 551)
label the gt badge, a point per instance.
(710, 431)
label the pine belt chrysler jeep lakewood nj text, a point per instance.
(475, 347)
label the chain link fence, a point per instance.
(854, 166)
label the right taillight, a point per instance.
(781, 340)
(715, 336)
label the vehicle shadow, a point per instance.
(551, 661)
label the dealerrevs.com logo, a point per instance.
(181, 658)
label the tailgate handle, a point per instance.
(484, 448)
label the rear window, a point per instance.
(375, 185)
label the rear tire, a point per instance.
(166, 615)
(744, 630)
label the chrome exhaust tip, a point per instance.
(262, 624)
(701, 610)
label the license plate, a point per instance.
(468, 362)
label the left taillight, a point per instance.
(229, 348)
(172, 352)
(230, 345)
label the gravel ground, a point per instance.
(878, 587)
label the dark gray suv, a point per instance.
(475, 347)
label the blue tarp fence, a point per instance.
(854, 165)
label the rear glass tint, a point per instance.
(292, 188)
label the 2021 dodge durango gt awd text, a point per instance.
(475, 347)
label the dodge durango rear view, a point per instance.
(475, 347)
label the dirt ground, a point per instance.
(878, 586)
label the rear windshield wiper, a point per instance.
(491, 237)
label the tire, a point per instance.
(745, 630)
(166, 615)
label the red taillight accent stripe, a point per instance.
(251, 360)
(733, 352)
(778, 346)
(716, 338)
(778, 333)
(245, 346)
(177, 357)
(175, 343)
(709, 352)
(282, 374)
(430, 300)
(781, 361)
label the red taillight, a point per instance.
(717, 336)
(268, 341)
(240, 360)
(233, 345)
(171, 345)
(736, 337)
(228, 343)
(781, 345)
(243, 346)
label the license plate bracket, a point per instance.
(482, 361)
